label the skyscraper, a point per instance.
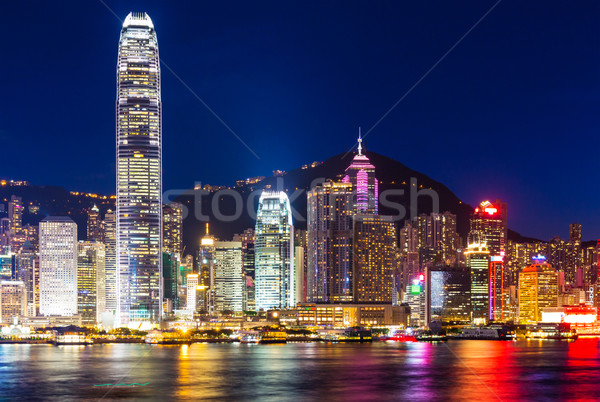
(274, 252)
(110, 263)
(15, 216)
(28, 271)
(478, 261)
(329, 243)
(488, 225)
(139, 172)
(91, 282)
(229, 281)
(538, 289)
(206, 273)
(374, 258)
(247, 239)
(58, 266)
(361, 173)
(94, 224)
(173, 227)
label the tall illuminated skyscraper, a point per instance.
(110, 264)
(538, 289)
(478, 261)
(329, 243)
(229, 280)
(58, 266)
(374, 258)
(274, 252)
(91, 282)
(139, 172)
(94, 224)
(361, 173)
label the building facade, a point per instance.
(91, 282)
(229, 279)
(274, 255)
(478, 262)
(374, 258)
(538, 289)
(139, 172)
(329, 243)
(58, 266)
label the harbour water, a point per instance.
(456, 370)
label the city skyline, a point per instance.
(491, 82)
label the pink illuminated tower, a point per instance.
(361, 173)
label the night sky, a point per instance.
(511, 113)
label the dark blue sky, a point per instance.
(512, 112)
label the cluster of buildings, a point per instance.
(351, 266)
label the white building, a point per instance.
(192, 286)
(229, 279)
(58, 266)
(274, 255)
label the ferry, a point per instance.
(71, 338)
(273, 337)
(483, 333)
(357, 334)
(429, 336)
(250, 338)
(551, 331)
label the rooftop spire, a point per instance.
(207, 228)
(359, 142)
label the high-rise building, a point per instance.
(538, 289)
(58, 266)
(139, 172)
(489, 226)
(206, 273)
(191, 293)
(374, 258)
(436, 238)
(247, 240)
(229, 280)
(478, 261)
(94, 224)
(15, 216)
(13, 301)
(91, 282)
(329, 243)
(28, 271)
(575, 233)
(110, 263)
(274, 255)
(171, 264)
(448, 294)
(361, 173)
(173, 227)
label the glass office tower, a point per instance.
(139, 173)
(274, 256)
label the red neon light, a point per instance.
(421, 277)
(491, 210)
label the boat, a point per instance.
(495, 333)
(71, 338)
(399, 337)
(250, 338)
(273, 337)
(430, 336)
(357, 334)
(551, 331)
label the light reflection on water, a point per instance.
(483, 370)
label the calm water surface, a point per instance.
(458, 370)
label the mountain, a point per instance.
(231, 210)
(393, 176)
